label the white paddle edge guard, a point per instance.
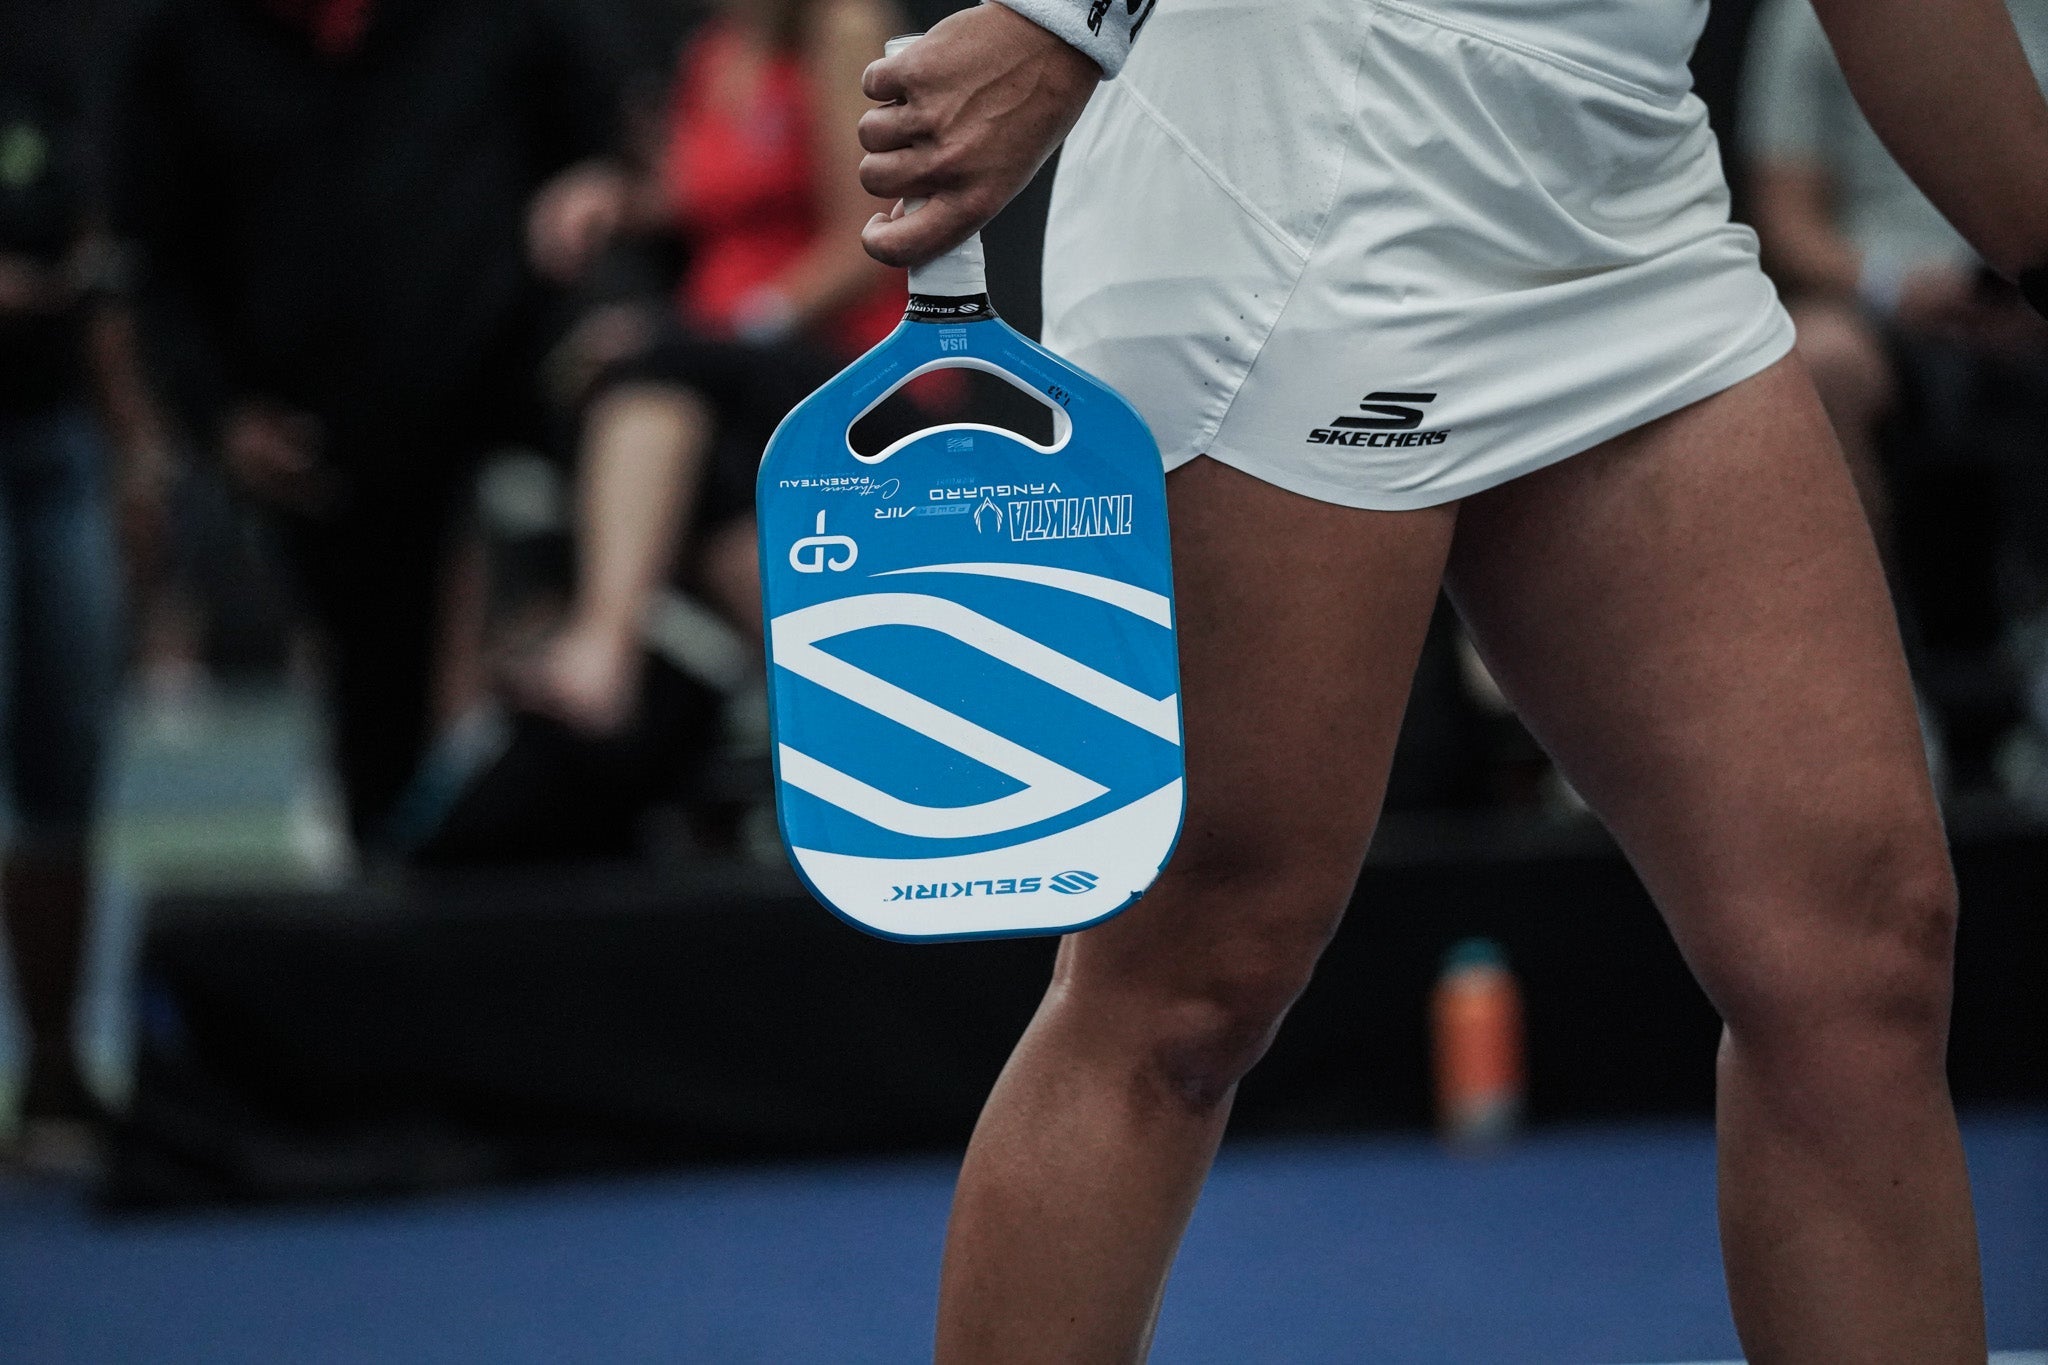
(1125, 849)
(1062, 423)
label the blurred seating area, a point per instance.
(400, 368)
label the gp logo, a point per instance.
(816, 554)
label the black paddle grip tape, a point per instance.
(949, 308)
(2033, 283)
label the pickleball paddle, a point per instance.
(972, 677)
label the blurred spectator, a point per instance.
(1855, 243)
(330, 200)
(66, 381)
(1932, 370)
(756, 170)
(761, 172)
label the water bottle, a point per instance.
(1476, 1030)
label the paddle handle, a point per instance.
(961, 272)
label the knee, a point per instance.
(1209, 1033)
(1857, 962)
(1212, 1016)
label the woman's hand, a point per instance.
(274, 454)
(968, 114)
(573, 216)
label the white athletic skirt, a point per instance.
(1386, 253)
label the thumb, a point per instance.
(910, 239)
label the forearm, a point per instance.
(1801, 244)
(124, 395)
(640, 464)
(1816, 263)
(1948, 89)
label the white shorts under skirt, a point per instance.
(1388, 253)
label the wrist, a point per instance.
(1101, 30)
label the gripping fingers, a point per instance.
(906, 173)
(890, 127)
(883, 81)
(907, 239)
(971, 110)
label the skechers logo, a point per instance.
(1394, 421)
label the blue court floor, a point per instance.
(1583, 1246)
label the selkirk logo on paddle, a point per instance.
(1388, 418)
(976, 705)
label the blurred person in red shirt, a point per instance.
(761, 171)
(755, 168)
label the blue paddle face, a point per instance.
(972, 673)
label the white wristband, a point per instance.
(1104, 29)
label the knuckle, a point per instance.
(946, 168)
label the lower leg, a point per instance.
(636, 487)
(729, 574)
(1078, 1184)
(1299, 628)
(1693, 620)
(1845, 1209)
(44, 895)
(1845, 1204)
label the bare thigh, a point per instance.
(1299, 626)
(1693, 620)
